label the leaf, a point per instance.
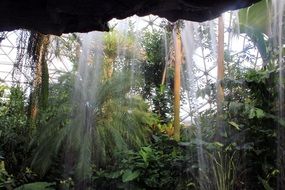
(265, 184)
(214, 145)
(254, 21)
(191, 184)
(145, 153)
(113, 175)
(258, 39)
(259, 113)
(36, 186)
(185, 144)
(256, 112)
(251, 113)
(277, 119)
(275, 172)
(218, 144)
(281, 121)
(256, 16)
(130, 175)
(235, 125)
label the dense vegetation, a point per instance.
(117, 133)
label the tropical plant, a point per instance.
(36, 186)
(160, 95)
(91, 132)
(250, 119)
(164, 164)
(255, 22)
(224, 169)
(14, 132)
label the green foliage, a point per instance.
(118, 44)
(92, 133)
(118, 121)
(254, 21)
(160, 95)
(15, 136)
(2, 90)
(129, 175)
(121, 53)
(224, 168)
(36, 186)
(162, 165)
(5, 179)
(68, 46)
(106, 142)
(250, 121)
(14, 133)
(121, 118)
(51, 132)
(256, 16)
(155, 51)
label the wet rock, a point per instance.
(64, 16)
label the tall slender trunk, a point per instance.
(177, 81)
(220, 77)
(164, 74)
(220, 66)
(39, 95)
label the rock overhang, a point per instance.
(65, 16)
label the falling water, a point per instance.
(278, 23)
(166, 53)
(189, 44)
(84, 99)
(213, 37)
(89, 77)
(122, 28)
(128, 44)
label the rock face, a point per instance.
(64, 16)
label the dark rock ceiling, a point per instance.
(64, 16)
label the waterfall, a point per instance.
(190, 47)
(103, 59)
(199, 42)
(84, 101)
(278, 7)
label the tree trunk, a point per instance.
(39, 95)
(177, 81)
(220, 66)
(220, 77)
